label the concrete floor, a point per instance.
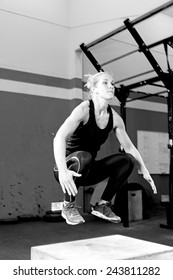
(16, 240)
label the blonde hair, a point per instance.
(93, 79)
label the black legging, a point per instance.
(117, 168)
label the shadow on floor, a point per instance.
(16, 240)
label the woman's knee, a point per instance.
(84, 158)
(77, 161)
(130, 160)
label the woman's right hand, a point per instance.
(67, 182)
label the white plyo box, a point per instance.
(113, 247)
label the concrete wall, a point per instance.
(27, 185)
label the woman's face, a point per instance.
(105, 87)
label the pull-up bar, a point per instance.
(146, 95)
(168, 40)
(142, 83)
(133, 22)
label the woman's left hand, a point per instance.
(148, 178)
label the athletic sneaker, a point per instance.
(71, 214)
(104, 211)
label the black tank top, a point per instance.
(89, 137)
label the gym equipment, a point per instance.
(132, 203)
(113, 247)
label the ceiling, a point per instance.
(119, 53)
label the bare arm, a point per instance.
(77, 116)
(129, 147)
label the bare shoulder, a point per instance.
(78, 115)
(85, 106)
(117, 119)
(81, 111)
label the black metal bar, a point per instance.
(170, 144)
(143, 83)
(147, 95)
(144, 48)
(135, 21)
(142, 92)
(124, 93)
(169, 205)
(91, 58)
(170, 119)
(133, 77)
(155, 85)
(117, 58)
(166, 40)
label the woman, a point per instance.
(76, 145)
